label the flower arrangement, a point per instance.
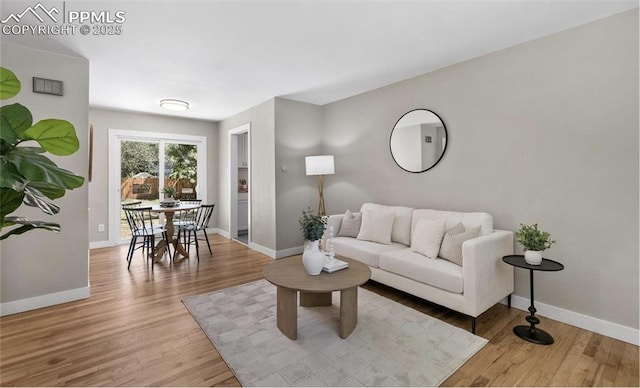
(312, 226)
(534, 239)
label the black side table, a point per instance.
(531, 333)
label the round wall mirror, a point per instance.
(418, 140)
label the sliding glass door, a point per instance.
(145, 163)
(181, 169)
(139, 167)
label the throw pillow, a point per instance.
(350, 226)
(427, 237)
(376, 226)
(451, 248)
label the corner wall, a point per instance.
(262, 179)
(298, 130)
(544, 132)
(41, 268)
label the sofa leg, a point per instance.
(509, 300)
(473, 325)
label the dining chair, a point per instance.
(186, 216)
(189, 230)
(140, 222)
(132, 204)
(191, 201)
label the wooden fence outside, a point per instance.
(148, 188)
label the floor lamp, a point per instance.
(320, 166)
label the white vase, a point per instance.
(313, 258)
(533, 257)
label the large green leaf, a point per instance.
(10, 200)
(9, 84)
(34, 197)
(38, 168)
(27, 226)
(14, 120)
(10, 178)
(47, 190)
(55, 136)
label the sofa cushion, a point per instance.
(376, 225)
(438, 272)
(366, 252)
(350, 226)
(469, 220)
(451, 248)
(401, 229)
(427, 237)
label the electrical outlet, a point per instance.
(100, 227)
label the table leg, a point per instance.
(308, 299)
(287, 312)
(531, 333)
(348, 311)
(161, 246)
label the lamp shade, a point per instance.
(319, 165)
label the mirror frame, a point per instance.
(446, 144)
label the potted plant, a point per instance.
(169, 192)
(28, 176)
(534, 241)
(312, 227)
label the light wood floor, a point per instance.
(134, 331)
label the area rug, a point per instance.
(392, 345)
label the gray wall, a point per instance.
(103, 120)
(298, 133)
(544, 132)
(263, 191)
(41, 262)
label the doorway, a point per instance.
(141, 164)
(240, 184)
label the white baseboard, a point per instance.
(264, 250)
(276, 254)
(596, 325)
(100, 244)
(219, 231)
(36, 302)
(289, 252)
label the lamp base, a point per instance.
(320, 182)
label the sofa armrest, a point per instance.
(487, 279)
(334, 220)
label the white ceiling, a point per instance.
(227, 56)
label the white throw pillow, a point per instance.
(376, 226)
(401, 229)
(427, 237)
(451, 248)
(350, 226)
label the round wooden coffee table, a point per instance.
(290, 277)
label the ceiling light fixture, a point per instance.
(171, 104)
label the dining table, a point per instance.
(169, 212)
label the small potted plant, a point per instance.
(169, 192)
(312, 227)
(243, 185)
(534, 241)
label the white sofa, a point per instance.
(479, 283)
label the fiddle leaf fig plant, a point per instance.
(28, 176)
